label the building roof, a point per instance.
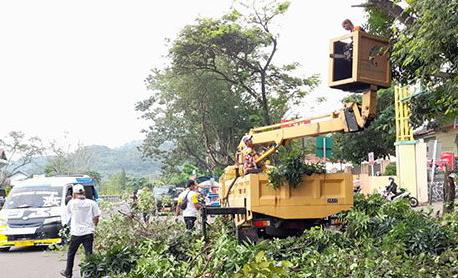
(425, 131)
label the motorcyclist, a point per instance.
(392, 188)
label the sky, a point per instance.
(74, 70)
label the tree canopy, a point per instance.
(221, 81)
(424, 50)
(379, 137)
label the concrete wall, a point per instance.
(447, 141)
(406, 166)
(411, 166)
(371, 184)
(422, 172)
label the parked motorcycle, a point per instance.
(390, 193)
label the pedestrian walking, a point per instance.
(83, 215)
(188, 202)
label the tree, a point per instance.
(115, 184)
(65, 161)
(240, 50)
(221, 81)
(136, 183)
(424, 50)
(180, 178)
(196, 119)
(379, 137)
(20, 150)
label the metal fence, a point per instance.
(436, 188)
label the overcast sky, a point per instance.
(78, 67)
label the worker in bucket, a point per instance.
(348, 25)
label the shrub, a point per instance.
(390, 169)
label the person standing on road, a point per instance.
(188, 201)
(84, 216)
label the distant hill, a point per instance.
(108, 161)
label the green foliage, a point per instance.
(290, 168)
(379, 137)
(181, 175)
(424, 50)
(146, 202)
(118, 259)
(390, 170)
(263, 267)
(377, 239)
(221, 82)
(115, 184)
(104, 160)
(121, 183)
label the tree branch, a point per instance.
(389, 8)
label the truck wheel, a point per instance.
(4, 249)
(249, 235)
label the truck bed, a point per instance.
(318, 196)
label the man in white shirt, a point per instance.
(84, 216)
(188, 201)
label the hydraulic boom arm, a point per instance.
(354, 117)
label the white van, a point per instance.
(34, 210)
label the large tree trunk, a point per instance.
(265, 103)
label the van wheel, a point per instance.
(4, 249)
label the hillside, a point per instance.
(108, 161)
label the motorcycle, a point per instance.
(402, 194)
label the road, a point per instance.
(34, 262)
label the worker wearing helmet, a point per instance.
(249, 156)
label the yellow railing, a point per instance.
(404, 130)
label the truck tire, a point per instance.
(247, 234)
(4, 249)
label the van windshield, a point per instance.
(43, 196)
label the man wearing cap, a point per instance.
(188, 201)
(84, 216)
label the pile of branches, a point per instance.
(377, 239)
(291, 168)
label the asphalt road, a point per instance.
(34, 262)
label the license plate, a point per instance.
(23, 243)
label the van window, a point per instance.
(89, 192)
(34, 197)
